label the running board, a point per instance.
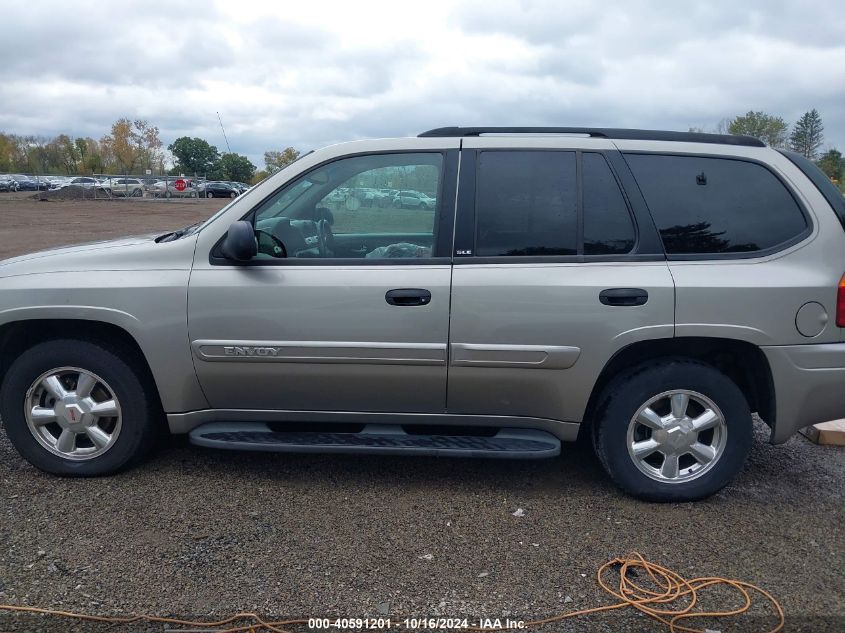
(377, 439)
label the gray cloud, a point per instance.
(328, 73)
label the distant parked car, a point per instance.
(168, 189)
(7, 183)
(220, 190)
(86, 182)
(125, 187)
(55, 182)
(30, 183)
(413, 200)
(242, 187)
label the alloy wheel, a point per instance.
(677, 436)
(73, 413)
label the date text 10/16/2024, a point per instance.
(413, 623)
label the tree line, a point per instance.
(133, 146)
(805, 137)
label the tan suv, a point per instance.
(646, 290)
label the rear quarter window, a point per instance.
(705, 206)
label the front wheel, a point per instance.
(208, 194)
(672, 430)
(233, 195)
(77, 408)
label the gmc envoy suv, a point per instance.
(646, 290)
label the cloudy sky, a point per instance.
(311, 73)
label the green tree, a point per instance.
(193, 155)
(832, 164)
(807, 135)
(766, 127)
(233, 167)
(276, 161)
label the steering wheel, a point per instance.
(326, 238)
(276, 246)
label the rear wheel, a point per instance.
(76, 408)
(672, 430)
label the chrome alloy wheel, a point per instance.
(677, 436)
(73, 413)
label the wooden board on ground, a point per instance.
(832, 433)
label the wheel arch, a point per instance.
(20, 335)
(743, 362)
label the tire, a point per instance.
(167, 194)
(209, 194)
(650, 477)
(137, 193)
(233, 195)
(133, 429)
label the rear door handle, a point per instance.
(408, 297)
(623, 296)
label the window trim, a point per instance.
(691, 257)
(443, 220)
(466, 221)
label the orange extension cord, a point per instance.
(670, 599)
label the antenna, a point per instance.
(224, 133)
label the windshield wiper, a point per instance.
(175, 235)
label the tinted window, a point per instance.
(608, 228)
(716, 205)
(526, 204)
(825, 186)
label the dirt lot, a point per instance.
(196, 533)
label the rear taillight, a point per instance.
(840, 303)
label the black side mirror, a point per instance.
(240, 244)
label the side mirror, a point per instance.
(240, 244)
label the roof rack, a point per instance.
(603, 132)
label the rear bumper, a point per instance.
(809, 383)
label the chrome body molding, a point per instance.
(525, 356)
(185, 422)
(320, 352)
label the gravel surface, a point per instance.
(200, 533)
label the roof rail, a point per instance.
(603, 132)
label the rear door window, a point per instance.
(716, 205)
(526, 204)
(608, 228)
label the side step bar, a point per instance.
(377, 439)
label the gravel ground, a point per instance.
(201, 533)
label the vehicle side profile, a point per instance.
(646, 291)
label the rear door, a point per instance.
(556, 268)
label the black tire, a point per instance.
(209, 194)
(624, 396)
(233, 195)
(139, 408)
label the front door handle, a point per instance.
(623, 296)
(408, 297)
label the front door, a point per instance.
(346, 305)
(556, 269)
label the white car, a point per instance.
(123, 187)
(86, 182)
(413, 200)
